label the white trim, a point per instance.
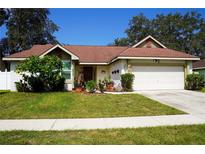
(198, 68)
(164, 58)
(146, 38)
(13, 59)
(94, 63)
(73, 57)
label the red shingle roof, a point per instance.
(36, 50)
(154, 52)
(104, 54)
(95, 54)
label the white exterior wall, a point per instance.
(102, 72)
(151, 62)
(13, 65)
(120, 65)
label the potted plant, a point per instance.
(109, 84)
(90, 86)
(78, 89)
(78, 86)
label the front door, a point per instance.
(88, 73)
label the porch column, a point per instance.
(189, 67)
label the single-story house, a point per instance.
(154, 65)
(199, 67)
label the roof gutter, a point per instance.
(198, 68)
(13, 59)
(93, 63)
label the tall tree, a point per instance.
(177, 31)
(4, 14)
(26, 27)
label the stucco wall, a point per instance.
(13, 65)
(102, 72)
(120, 65)
(153, 62)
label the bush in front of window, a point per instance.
(194, 82)
(57, 83)
(42, 74)
(127, 81)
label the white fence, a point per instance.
(8, 79)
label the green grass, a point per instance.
(203, 90)
(4, 91)
(15, 105)
(193, 134)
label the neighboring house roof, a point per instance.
(105, 54)
(199, 64)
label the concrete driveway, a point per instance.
(188, 101)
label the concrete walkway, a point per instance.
(101, 123)
(191, 102)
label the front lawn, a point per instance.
(203, 90)
(193, 134)
(15, 105)
(4, 91)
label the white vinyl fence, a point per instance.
(8, 79)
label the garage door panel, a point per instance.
(158, 77)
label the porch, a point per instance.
(84, 73)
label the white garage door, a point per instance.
(158, 77)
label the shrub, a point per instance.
(57, 84)
(42, 74)
(127, 81)
(4, 91)
(194, 81)
(36, 83)
(90, 86)
(22, 86)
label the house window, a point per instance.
(67, 69)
